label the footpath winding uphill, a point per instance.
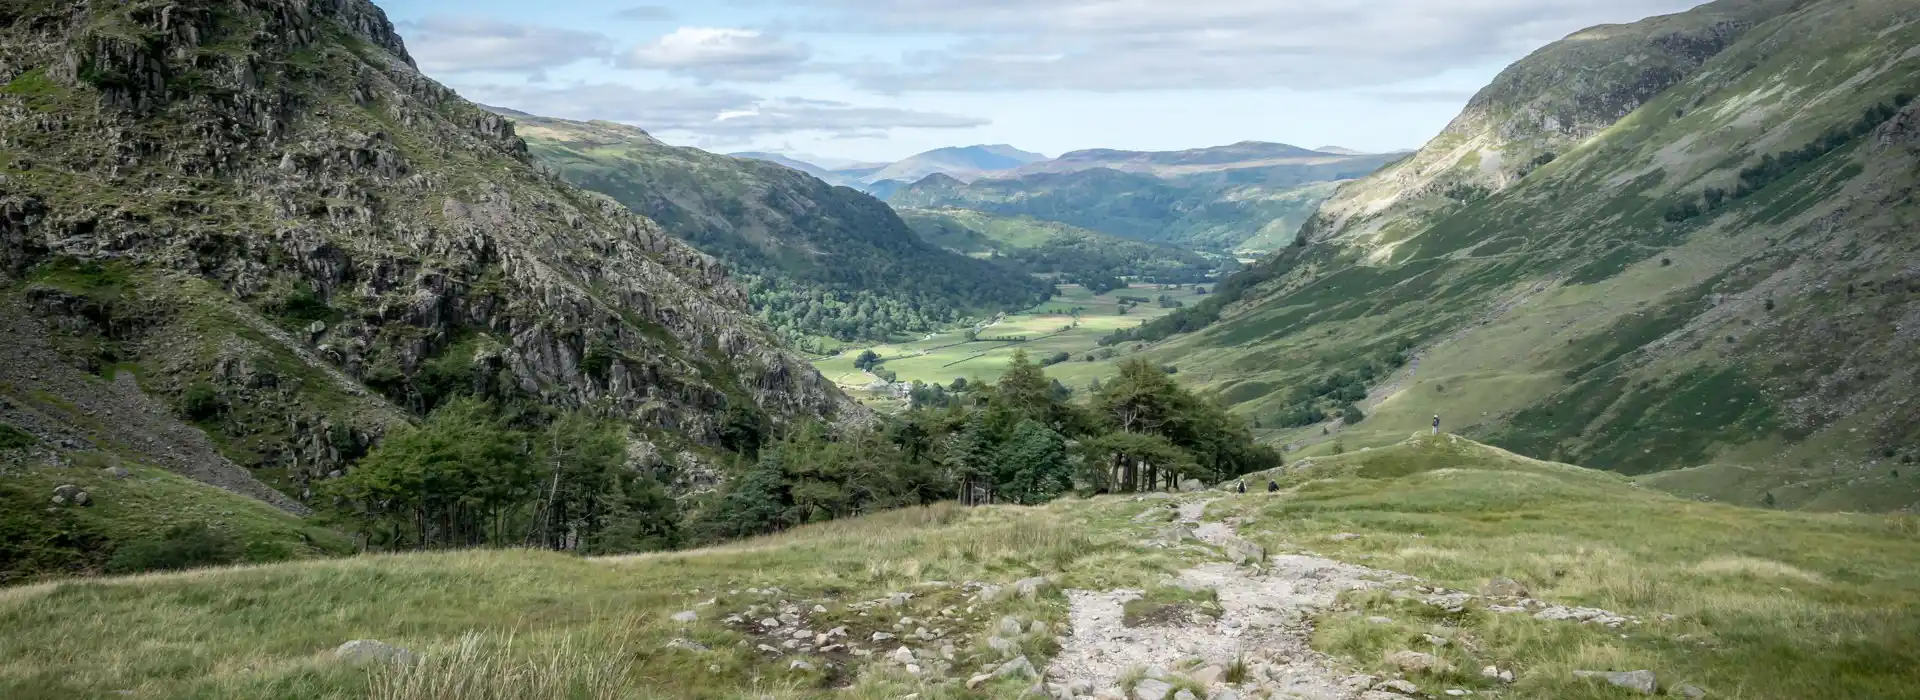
(1258, 645)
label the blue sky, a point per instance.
(879, 80)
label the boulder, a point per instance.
(1241, 551)
(978, 680)
(1193, 485)
(117, 472)
(1185, 694)
(1151, 689)
(362, 651)
(1398, 686)
(1209, 675)
(1642, 681)
(1504, 588)
(1017, 668)
(1004, 646)
(798, 665)
(686, 616)
(1031, 588)
(1039, 627)
(1690, 692)
(1413, 661)
(1009, 627)
(83, 499)
(902, 655)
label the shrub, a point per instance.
(180, 547)
(202, 402)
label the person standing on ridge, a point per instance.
(1243, 486)
(1436, 424)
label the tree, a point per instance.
(1129, 462)
(969, 461)
(867, 360)
(454, 481)
(1032, 465)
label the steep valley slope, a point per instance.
(818, 260)
(257, 219)
(1682, 248)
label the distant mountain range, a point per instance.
(965, 163)
(1244, 197)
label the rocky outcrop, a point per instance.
(393, 235)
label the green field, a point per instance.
(1048, 328)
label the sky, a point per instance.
(880, 80)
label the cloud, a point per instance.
(1415, 96)
(712, 115)
(711, 54)
(457, 44)
(1119, 45)
(645, 13)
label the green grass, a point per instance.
(525, 619)
(138, 509)
(1764, 604)
(1169, 605)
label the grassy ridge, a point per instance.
(1762, 604)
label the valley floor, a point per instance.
(1048, 329)
(1391, 572)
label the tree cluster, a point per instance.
(1019, 440)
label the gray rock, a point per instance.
(1017, 668)
(1690, 692)
(1642, 680)
(1009, 627)
(1378, 620)
(1152, 689)
(66, 491)
(1209, 675)
(686, 616)
(1436, 640)
(1224, 694)
(1344, 536)
(1504, 588)
(58, 501)
(687, 644)
(117, 472)
(798, 665)
(1398, 686)
(1241, 551)
(1031, 588)
(1193, 485)
(1184, 694)
(361, 651)
(978, 680)
(881, 636)
(1413, 661)
(994, 594)
(1039, 627)
(1004, 646)
(902, 655)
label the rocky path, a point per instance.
(1265, 623)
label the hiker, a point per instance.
(1436, 424)
(1273, 486)
(1243, 486)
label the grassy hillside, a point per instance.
(138, 518)
(1720, 275)
(1218, 206)
(1058, 250)
(819, 260)
(1741, 603)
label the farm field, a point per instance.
(1048, 329)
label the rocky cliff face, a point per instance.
(264, 197)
